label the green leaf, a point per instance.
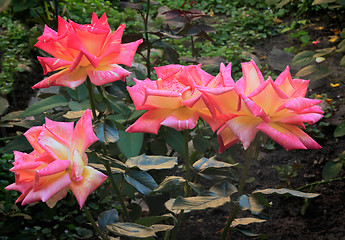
(83, 233)
(146, 163)
(79, 94)
(307, 71)
(322, 1)
(20, 143)
(106, 131)
(282, 3)
(331, 170)
(118, 120)
(141, 180)
(131, 230)
(341, 46)
(149, 221)
(45, 104)
(170, 184)
(324, 51)
(78, 106)
(224, 189)
(3, 105)
(12, 116)
(200, 143)
(169, 52)
(4, 4)
(305, 38)
(251, 203)
(342, 61)
(136, 114)
(213, 169)
(246, 221)
(199, 202)
(204, 163)
(283, 191)
(161, 227)
(174, 138)
(303, 58)
(107, 217)
(118, 106)
(342, 34)
(340, 130)
(130, 143)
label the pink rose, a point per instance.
(173, 100)
(57, 164)
(81, 51)
(277, 108)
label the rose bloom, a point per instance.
(173, 100)
(81, 51)
(277, 108)
(57, 164)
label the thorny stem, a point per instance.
(93, 223)
(193, 48)
(56, 6)
(187, 186)
(116, 190)
(320, 182)
(187, 163)
(147, 39)
(92, 103)
(237, 208)
(105, 100)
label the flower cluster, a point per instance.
(81, 51)
(57, 164)
(237, 109)
(181, 95)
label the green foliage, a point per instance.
(14, 51)
(286, 172)
(80, 11)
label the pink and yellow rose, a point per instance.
(173, 100)
(81, 51)
(277, 108)
(57, 164)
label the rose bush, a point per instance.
(57, 164)
(81, 51)
(277, 108)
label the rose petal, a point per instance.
(32, 135)
(92, 179)
(162, 99)
(107, 75)
(64, 78)
(52, 64)
(268, 96)
(83, 134)
(50, 188)
(226, 138)
(282, 135)
(298, 104)
(244, 128)
(138, 92)
(150, 121)
(181, 119)
(252, 77)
